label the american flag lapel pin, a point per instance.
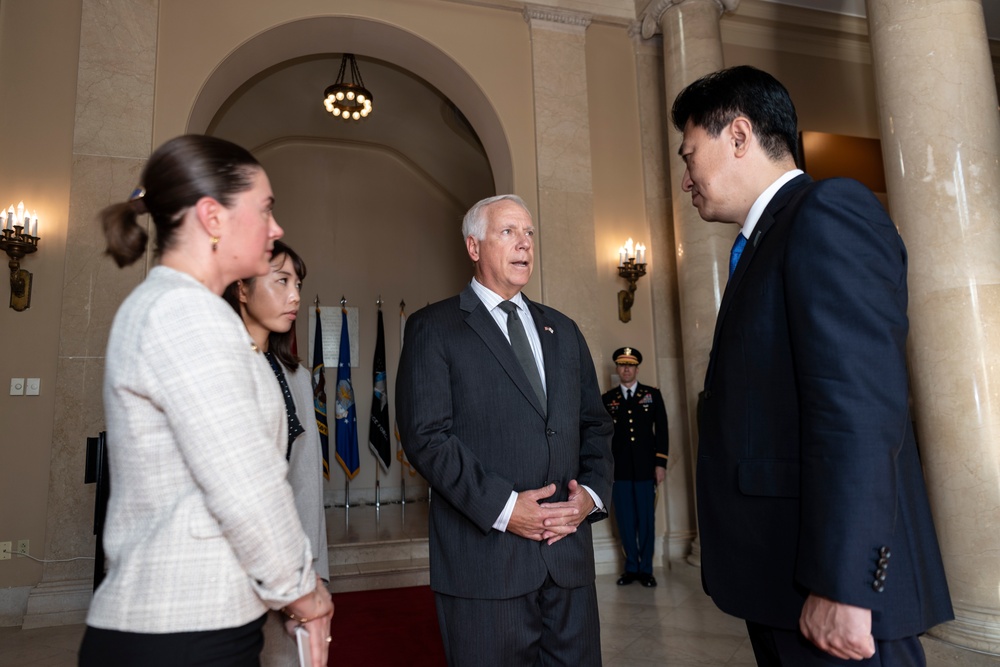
(549, 329)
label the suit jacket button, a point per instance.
(883, 563)
(549, 432)
(880, 574)
(878, 586)
(884, 552)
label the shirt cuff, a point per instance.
(508, 509)
(598, 505)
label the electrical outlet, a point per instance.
(17, 386)
(4, 550)
(22, 548)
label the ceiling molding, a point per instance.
(789, 29)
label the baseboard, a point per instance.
(367, 581)
(679, 545)
(58, 603)
(607, 555)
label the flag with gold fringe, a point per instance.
(319, 396)
(345, 411)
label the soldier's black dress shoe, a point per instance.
(648, 580)
(627, 578)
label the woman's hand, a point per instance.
(314, 611)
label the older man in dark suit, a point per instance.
(814, 520)
(499, 409)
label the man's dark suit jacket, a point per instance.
(808, 472)
(471, 424)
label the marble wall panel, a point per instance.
(116, 77)
(79, 413)
(94, 286)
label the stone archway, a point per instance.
(364, 37)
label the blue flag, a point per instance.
(319, 396)
(346, 414)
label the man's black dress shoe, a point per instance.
(627, 578)
(648, 580)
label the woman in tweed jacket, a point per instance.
(269, 306)
(201, 535)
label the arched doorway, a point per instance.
(373, 207)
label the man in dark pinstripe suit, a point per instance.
(499, 409)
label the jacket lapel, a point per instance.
(482, 322)
(550, 348)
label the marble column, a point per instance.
(676, 506)
(941, 144)
(692, 47)
(111, 141)
(565, 255)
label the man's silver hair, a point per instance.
(475, 221)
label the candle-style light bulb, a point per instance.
(629, 249)
(621, 256)
(34, 223)
(10, 217)
(19, 220)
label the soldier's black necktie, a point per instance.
(522, 350)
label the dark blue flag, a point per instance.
(346, 414)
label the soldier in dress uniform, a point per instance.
(640, 451)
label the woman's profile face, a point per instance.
(251, 230)
(271, 302)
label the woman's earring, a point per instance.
(215, 243)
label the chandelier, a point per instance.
(348, 100)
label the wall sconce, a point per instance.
(20, 238)
(631, 267)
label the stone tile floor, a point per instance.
(677, 625)
(673, 625)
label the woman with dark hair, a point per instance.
(269, 306)
(201, 535)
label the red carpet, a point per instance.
(395, 627)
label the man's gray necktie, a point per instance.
(522, 350)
